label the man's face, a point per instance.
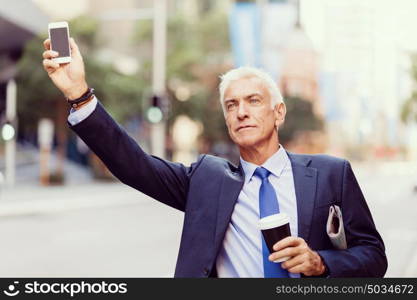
(250, 118)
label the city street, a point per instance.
(108, 229)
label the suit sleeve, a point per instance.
(365, 255)
(162, 180)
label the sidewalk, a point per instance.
(27, 168)
(33, 200)
(27, 196)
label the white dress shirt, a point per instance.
(241, 252)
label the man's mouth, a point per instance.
(245, 127)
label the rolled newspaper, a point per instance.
(335, 229)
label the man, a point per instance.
(222, 202)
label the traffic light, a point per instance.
(154, 112)
(7, 131)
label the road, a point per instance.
(389, 190)
(96, 230)
(111, 230)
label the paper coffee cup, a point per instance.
(274, 228)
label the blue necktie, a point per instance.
(268, 205)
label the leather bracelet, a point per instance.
(84, 98)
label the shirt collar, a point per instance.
(275, 164)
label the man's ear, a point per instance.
(280, 110)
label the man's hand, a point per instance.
(303, 259)
(69, 77)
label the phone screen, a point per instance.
(59, 41)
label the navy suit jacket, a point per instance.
(208, 189)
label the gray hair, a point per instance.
(247, 72)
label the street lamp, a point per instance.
(159, 73)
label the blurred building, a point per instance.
(269, 34)
(299, 74)
(20, 20)
(365, 51)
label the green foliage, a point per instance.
(409, 109)
(197, 53)
(300, 117)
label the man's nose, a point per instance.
(242, 111)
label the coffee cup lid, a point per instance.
(273, 221)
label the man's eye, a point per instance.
(254, 100)
(230, 105)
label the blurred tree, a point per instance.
(197, 53)
(300, 117)
(409, 109)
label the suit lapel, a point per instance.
(229, 192)
(305, 183)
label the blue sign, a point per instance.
(245, 34)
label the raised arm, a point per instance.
(163, 180)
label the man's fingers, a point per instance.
(290, 241)
(50, 66)
(294, 261)
(289, 251)
(300, 268)
(47, 44)
(48, 54)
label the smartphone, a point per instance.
(59, 36)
